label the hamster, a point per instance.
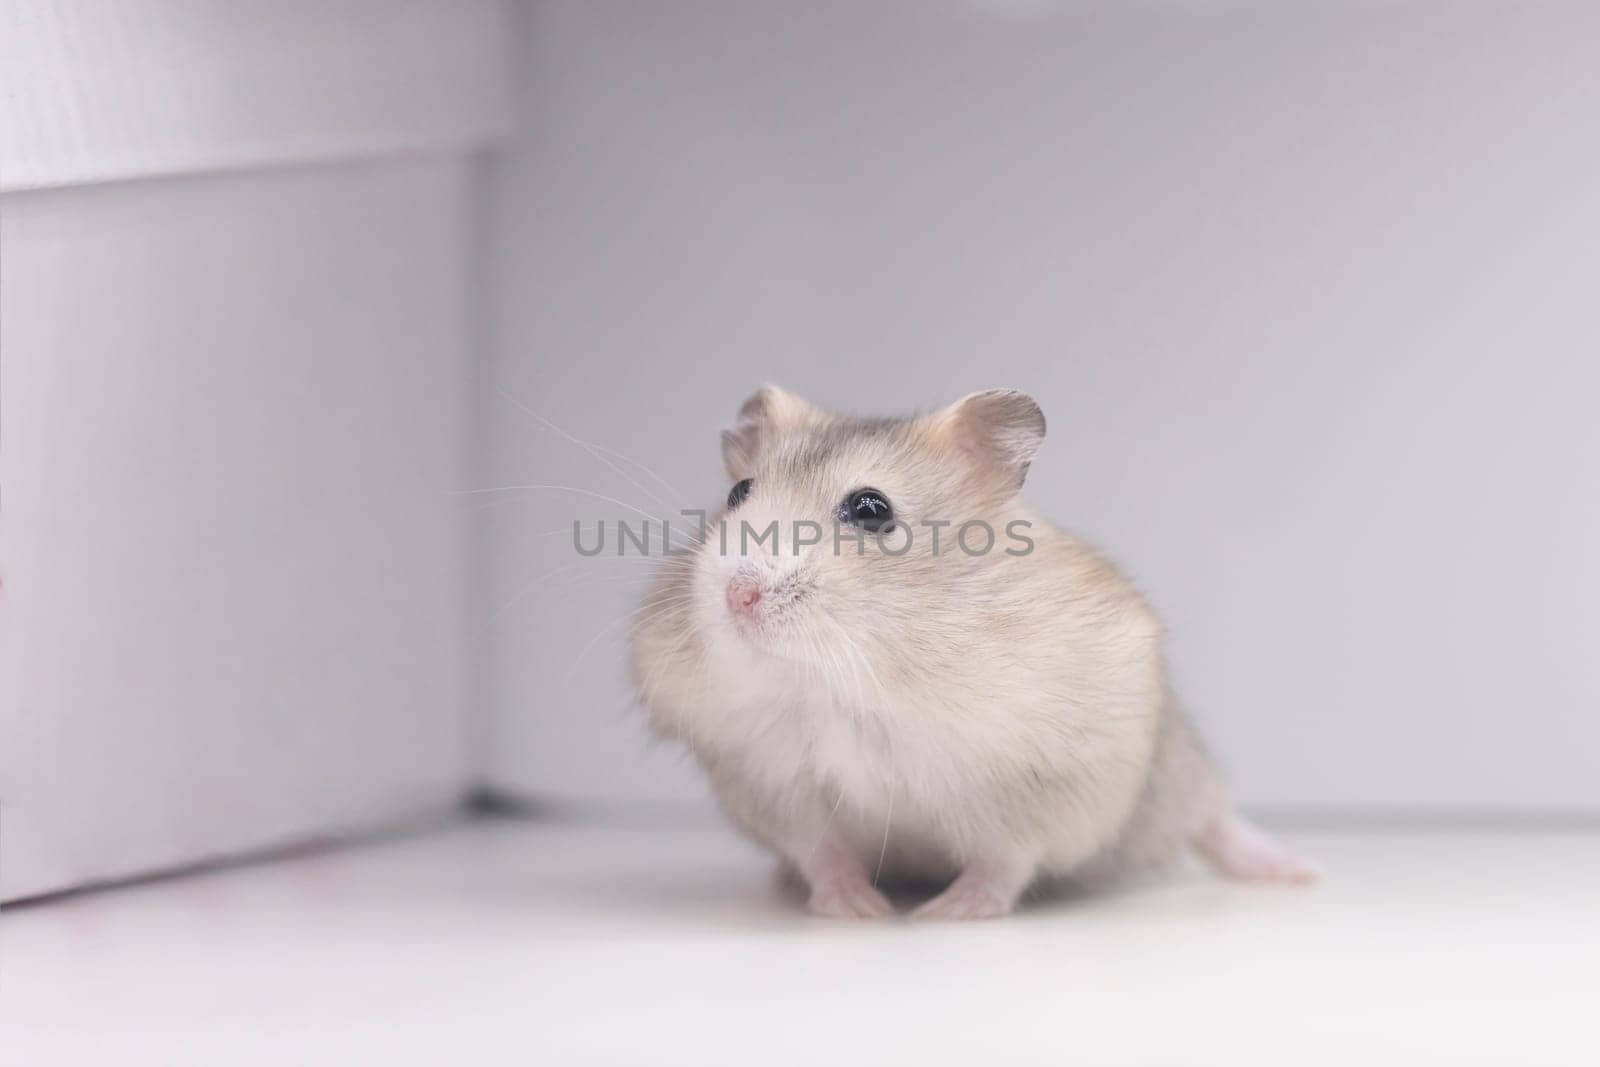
(877, 689)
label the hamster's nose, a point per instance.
(744, 593)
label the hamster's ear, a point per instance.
(998, 431)
(770, 410)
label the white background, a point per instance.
(1307, 293)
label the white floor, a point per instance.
(521, 943)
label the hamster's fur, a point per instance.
(995, 718)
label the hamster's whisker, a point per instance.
(680, 555)
(586, 446)
(846, 668)
(816, 663)
(554, 488)
(635, 579)
(652, 606)
(860, 657)
(648, 563)
(648, 685)
(647, 695)
(608, 628)
(823, 836)
(684, 546)
(668, 486)
(657, 602)
(847, 672)
(599, 527)
(843, 676)
(490, 505)
(523, 591)
(580, 582)
(647, 688)
(595, 450)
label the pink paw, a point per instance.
(849, 900)
(967, 900)
(1239, 849)
(1290, 868)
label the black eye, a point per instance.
(868, 509)
(737, 494)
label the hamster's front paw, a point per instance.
(840, 885)
(848, 900)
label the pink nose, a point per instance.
(743, 595)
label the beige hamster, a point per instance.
(991, 709)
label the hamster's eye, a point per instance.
(737, 494)
(868, 509)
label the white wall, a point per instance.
(235, 396)
(103, 90)
(1306, 292)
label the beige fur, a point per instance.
(1001, 715)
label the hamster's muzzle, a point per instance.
(743, 596)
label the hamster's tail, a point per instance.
(1240, 849)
